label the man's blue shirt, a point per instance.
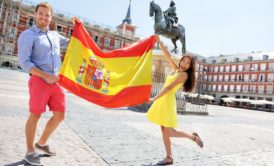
(37, 48)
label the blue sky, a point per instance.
(213, 27)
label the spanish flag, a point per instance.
(118, 78)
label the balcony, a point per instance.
(253, 93)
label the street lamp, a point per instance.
(200, 78)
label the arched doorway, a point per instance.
(7, 64)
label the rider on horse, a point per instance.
(170, 15)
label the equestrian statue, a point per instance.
(164, 24)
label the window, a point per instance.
(211, 69)
(59, 28)
(231, 88)
(209, 88)
(214, 87)
(226, 77)
(219, 87)
(261, 78)
(12, 32)
(232, 77)
(70, 32)
(107, 41)
(201, 67)
(265, 57)
(238, 88)
(205, 78)
(9, 48)
(270, 77)
(247, 67)
(31, 21)
(223, 61)
(239, 77)
(117, 44)
(220, 78)
(262, 66)
(216, 69)
(269, 89)
(206, 68)
(254, 77)
(15, 17)
(240, 68)
(252, 88)
(197, 67)
(227, 68)
(254, 67)
(261, 89)
(225, 88)
(249, 58)
(97, 39)
(236, 59)
(221, 68)
(204, 87)
(246, 77)
(233, 68)
(245, 88)
(271, 66)
(210, 78)
(129, 33)
(215, 78)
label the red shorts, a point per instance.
(43, 94)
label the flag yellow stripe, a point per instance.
(129, 71)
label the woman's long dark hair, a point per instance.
(190, 82)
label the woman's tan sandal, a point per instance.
(198, 140)
(165, 161)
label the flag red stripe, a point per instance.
(133, 95)
(82, 35)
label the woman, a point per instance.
(163, 110)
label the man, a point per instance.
(39, 54)
(170, 15)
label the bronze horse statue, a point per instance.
(160, 27)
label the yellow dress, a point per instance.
(163, 111)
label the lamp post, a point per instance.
(200, 78)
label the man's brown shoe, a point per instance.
(44, 149)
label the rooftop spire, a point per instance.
(128, 19)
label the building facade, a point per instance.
(249, 76)
(17, 16)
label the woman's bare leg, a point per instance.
(174, 133)
(167, 143)
(171, 132)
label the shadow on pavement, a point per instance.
(19, 163)
(24, 163)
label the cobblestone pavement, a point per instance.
(92, 135)
(71, 149)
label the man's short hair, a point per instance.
(44, 4)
